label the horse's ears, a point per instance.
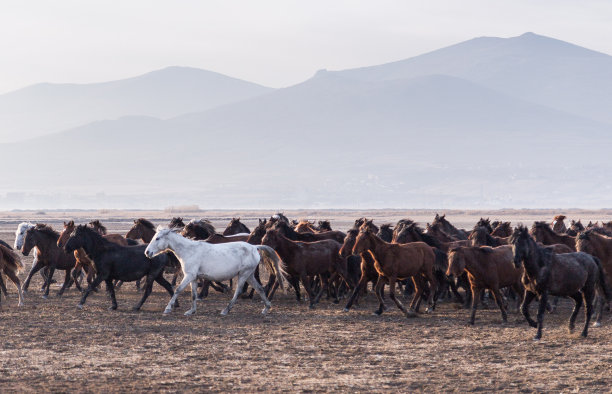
(135, 221)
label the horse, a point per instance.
(599, 246)
(575, 228)
(221, 239)
(447, 242)
(198, 229)
(386, 232)
(368, 272)
(487, 268)
(399, 261)
(324, 225)
(557, 224)
(11, 265)
(399, 226)
(304, 226)
(502, 229)
(290, 233)
(359, 222)
(44, 238)
(19, 237)
(235, 226)
(306, 259)
(216, 263)
(116, 262)
(176, 222)
(448, 228)
(572, 274)
(481, 236)
(142, 229)
(486, 223)
(542, 232)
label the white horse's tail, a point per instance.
(273, 264)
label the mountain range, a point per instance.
(490, 122)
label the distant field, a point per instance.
(50, 345)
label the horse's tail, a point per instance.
(605, 291)
(11, 259)
(273, 264)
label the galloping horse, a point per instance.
(557, 224)
(542, 232)
(235, 227)
(10, 265)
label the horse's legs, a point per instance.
(48, 281)
(3, 286)
(324, 286)
(35, 268)
(380, 284)
(398, 303)
(588, 295)
(205, 287)
(241, 280)
(147, 291)
(166, 285)
(15, 279)
(96, 282)
(75, 274)
(475, 299)
(187, 279)
(419, 287)
(111, 290)
(577, 304)
(363, 282)
(433, 288)
(252, 280)
(66, 282)
(529, 296)
(194, 298)
(500, 303)
(541, 310)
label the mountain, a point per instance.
(45, 108)
(535, 68)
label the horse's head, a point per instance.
(478, 236)
(385, 232)
(271, 238)
(22, 228)
(258, 232)
(65, 234)
(79, 238)
(365, 239)
(539, 230)
(486, 224)
(98, 226)
(176, 222)
(584, 242)
(349, 243)
(30, 240)
(324, 225)
(521, 243)
(456, 262)
(160, 242)
(136, 232)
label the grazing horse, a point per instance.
(399, 261)
(216, 263)
(576, 275)
(557, 224)
(198, 229)
(44, 238)
(368, 272)
(487, 268)
(599, 246)
(385, 233)
(290, 233)
(502, 229)
(542, 232)
(116, 262)
(449, 228)
(10, 265)
(235, 226)
(306, 259)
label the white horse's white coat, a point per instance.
(22, 228)
(215, 262)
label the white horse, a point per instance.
(216, 262)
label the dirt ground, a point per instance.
(50, 345)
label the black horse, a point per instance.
(112, 261)
(575, 275)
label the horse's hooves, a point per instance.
(345, 310)
(189, 312)
(44, 296)
(166, 311)
(532, 324)
(80, 306)
(470, 323)
(311, 306)
(265, 311)
(583, 335)
(336, 301)
(597, 324)
(224, 312)
(112, 307)
(537, 338)
(376, 313)
(410, 314)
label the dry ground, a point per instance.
(50, 345)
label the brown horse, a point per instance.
(304, 226)
(487, 268)
(448, 228)
(447, 242)
(480, 236)
(599, 246)
(221, 239)
(11, 265)
(176, 223)
(44, 238)
(198, 229)
(575, 228)
(502, 229)
(399, 261)
(235, 226)
(324, 225)
(307, 259)
(557, 224)
(290, 233)
(542, 232)
(399, 226)
(142, 229)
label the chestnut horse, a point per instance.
(542, 232)
(10, 265)
(557, 224)
(576, 275)
(235, 227)
(304, 226)
(399, 261)
(487, 268)
(502, 229)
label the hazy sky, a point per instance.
(275, 43)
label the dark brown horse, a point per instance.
(486, 223)
(487, 268)
(447, 242)
(386, 232)
(448, 228)
(235, 226)
(305, 260)
(324, 225)
(599, 246)
(176, 223)
(557, 224)
(480, 236)
(399, 226)
(142, 229)
(542, 232)
(44, 238)
(290, 233)
(221, 239)
(575, 228)
(11, 265)
(304, 226)
(576, 275)
(502, 229)
(399, 261)
(198, 229)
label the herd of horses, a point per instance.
(493, 260)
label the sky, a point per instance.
(276, 43)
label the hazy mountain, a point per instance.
(532, 67)
(44, 108)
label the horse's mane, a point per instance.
(486, 223)
(519, 232)
(428, 239)
(386, 227)
(145, 223)
(559, 217)
(98, 226)
(324, 224)
(205, 224)
(47, 230)
(176, 222)
(543, 226)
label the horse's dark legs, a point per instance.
(541, 310)
(419, 287)
(66, 282)
(75, 274)
(48, 281)
(169, 288)
(380, 284)
(588, 295)
(325, 281)
(577, 304)
(475, 299)
(362, 284)
(529, 296)
(147, 291)
(35, 268)
(3, 286)
(96, 282)
(111, 289)
(398, 303)
(500, 303)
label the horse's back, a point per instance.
(571, 271)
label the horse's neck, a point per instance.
(532, 262)
(180, 245)
(147, 235)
